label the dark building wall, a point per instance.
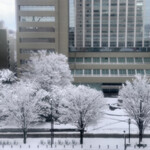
(4, 63)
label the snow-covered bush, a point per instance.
(136, 102)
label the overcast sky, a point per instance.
(7, 13)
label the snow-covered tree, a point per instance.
(49, 70)
(81, 106)
(7, 76)
(136, 102)
(19, 105)
(48, 101)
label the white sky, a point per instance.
(7, 13)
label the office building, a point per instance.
(41, 25)
(4, 54)
(111, 42)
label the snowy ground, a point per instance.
(113, 122)
(70, 144)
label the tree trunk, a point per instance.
(81, 135)
(24, 136)
(140, 131)
(140, 135)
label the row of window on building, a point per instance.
(113, 72)
(109, 60)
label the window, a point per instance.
(147, 71)
(122, 71)
(36, 29)
(113, 60)
(131, 72)
(114, 71)
(138, 60)
(104, 59)
(121, 60)
(147, 60)
(37, 8)
(36, 40)
(130, 60)
(28, 51)
(96, 71)
(105, 71)
(96, 59)
(87, 59)
(140, 71)
(72, 72)
(87, 71)
(79, 72)
(79, 59)
(36, 19)
(71, 59)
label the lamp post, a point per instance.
(124, 140)
(52, 124)
(129, 121)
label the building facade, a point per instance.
(111, 43)
(4, 50)
(41, 25)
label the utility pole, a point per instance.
(52, 124)
(124, 140)
(129, 121)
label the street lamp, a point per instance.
(129, 121)
(52, 124)
(124, 140)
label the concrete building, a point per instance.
(12, 50)
(41, 25)
(112, 42)
(4, 54)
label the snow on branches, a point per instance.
(19, 104)
(136, 101)
(7, 76)
(81, 106)
(48, 70)
(81, 103)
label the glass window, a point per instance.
(78, 71)
(72, 71)
(113, 59)
(87, 59)
(87, 71)
(104, 59)
(114, 71)
(71, 59)
(121, 60)
(138, 60)
(36, 40)
(36, 29)
(147, 60)
(79, 59)
(96, 59)
(130, 60)
(122, 71)
(37, 8)
(147, 71)
(140, 71)
(105, 71)
(131, 72)
(36, 19)
(96, 71)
